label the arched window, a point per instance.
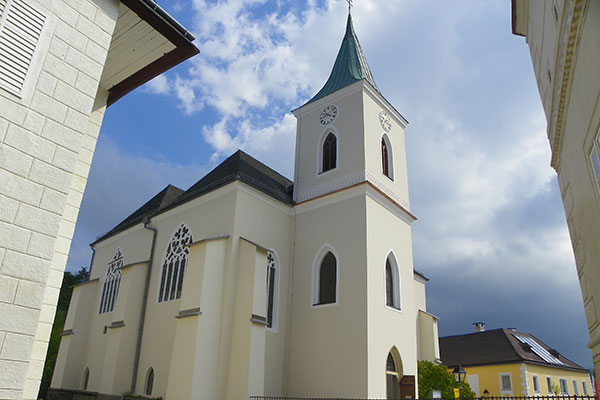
(327, 280)
(392, 283)
(86, 378)
(272, 284)
(176, 257)
(110, 289)
(149, 382)
(392, 378)
(387, 162)
(329, 152)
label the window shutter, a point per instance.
(20, 29)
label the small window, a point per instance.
(392, 283)
(564, 390)
(549, 384)
(176, 257)
(555, 13)
(326, 282)
(149, 382)
(387, 163)
(584, 387)
(505, 382)
(110, 289)
(85, 379)
(575, 389)
(329, 152)
(272, 283)
(536, 384)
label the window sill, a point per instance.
(397, 309)
(323, 305)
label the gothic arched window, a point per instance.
(329, 152)
(110, 289)
(392, 378)
(149, 382)
(392, 283)
(85, 379)
(327, 280)
(387, 162)
(272, 282)
(173, 270)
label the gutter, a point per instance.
(138, 346)
(151, 4)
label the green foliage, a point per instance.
(437, 377)
(64, 298)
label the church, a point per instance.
(249, 284)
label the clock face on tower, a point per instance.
(328, 114)
(385, 121)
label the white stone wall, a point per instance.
(47, 140)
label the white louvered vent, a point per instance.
(20, 29)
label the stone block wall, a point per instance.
(47, 140)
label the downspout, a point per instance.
(138, 346)
(92, 260)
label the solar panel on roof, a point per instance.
(539, 350)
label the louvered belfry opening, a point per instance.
(20, 29)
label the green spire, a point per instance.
(350, 66)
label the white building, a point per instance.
(62, 62)
(250, 284)
(563, 37)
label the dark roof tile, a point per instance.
(497, 346)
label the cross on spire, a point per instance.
(349, 5)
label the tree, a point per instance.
(64, 298)
(437, 377)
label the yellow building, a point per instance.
(505, 362)
(563, 37)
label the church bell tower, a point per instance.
(354, 311)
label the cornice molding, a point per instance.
(346, 182)
(568, 49)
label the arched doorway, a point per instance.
(398, 385)
(392, 378)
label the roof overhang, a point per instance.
(146, 42)
(520, 17)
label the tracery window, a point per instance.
(329, 152)
(272, 278)
(175, 262)
(392, 283)
(327, 280)
(110, 289)
(387, 164)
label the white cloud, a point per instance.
(491, 226)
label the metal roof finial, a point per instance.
(350, 5)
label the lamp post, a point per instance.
(459, 377)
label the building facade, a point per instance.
(504, 362)
(250, 284)
(62, 63)
(563, 37)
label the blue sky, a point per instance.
(491, 233)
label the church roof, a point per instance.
(350, 66)
(500, 346)
(163, 199)
(243, 167)
(239, 166)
